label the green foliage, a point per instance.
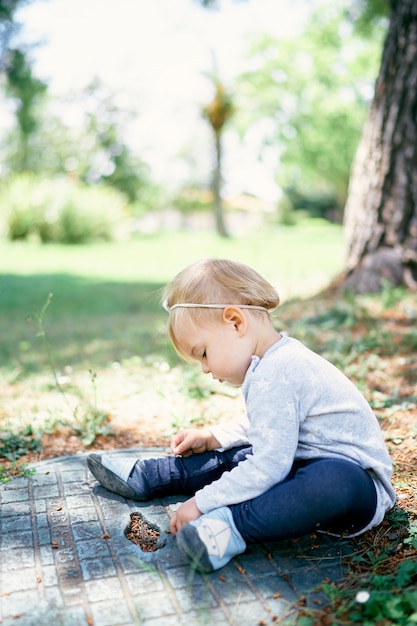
(365, 14)
(285, 212)
(379, 589)
(94, 150)
(412, 539)
(28, 92)
(7, 27)
(309, 96)
(24, 87)
(15, 470)
(15, 445)
(7, 8)
(392, 598)
(59, 210)
(191, 199)
(90, 424)
(111, 160)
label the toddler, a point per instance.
(308, 456)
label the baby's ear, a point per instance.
(234, 315)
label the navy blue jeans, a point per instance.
(327, 494)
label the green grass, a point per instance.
(284, 254)
(106, 297)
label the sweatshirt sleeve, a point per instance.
(231, 434)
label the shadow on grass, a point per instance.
(87, 323)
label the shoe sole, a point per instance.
(110, 481)
(189, 542)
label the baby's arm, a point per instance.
(193, 441)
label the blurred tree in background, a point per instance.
(7, 26)
(28, 93)
(105, 155)
(41, 142)
(381, 210)
(309, 95)
(218, 112)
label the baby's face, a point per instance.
(221, 348)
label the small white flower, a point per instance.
(362, 596)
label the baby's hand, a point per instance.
(193, 441)
(187, 512)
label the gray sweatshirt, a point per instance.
(299, 406)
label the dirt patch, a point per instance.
(144, 534)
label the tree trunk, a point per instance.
(381, 209)
(217, 182)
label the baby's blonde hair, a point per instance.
(215, 281)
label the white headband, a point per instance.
(187, 305)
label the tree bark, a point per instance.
(217, 184)
(381, 209)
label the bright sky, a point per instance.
(153, 54)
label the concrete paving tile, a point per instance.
(100, 590)
(39, 506)
(14, 508)
(98, 568)
(44, 478)
(157, 604)
(92, 549)
(142, 582)
(272, 587)
(44, 536)
(192, 596)
(15, 523)
(45, 491)
(46, 554)
(92, 530)
(110, 613)
(18, 539)
(17, 602)
(182, 577)
(49, 576)
(15, 495)
(42, 520)
(79, 501)
(175, 620)
(19, 579)
(16, 483)
(64, 559)
(85, 516)
(230, 587)
(19, 558)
